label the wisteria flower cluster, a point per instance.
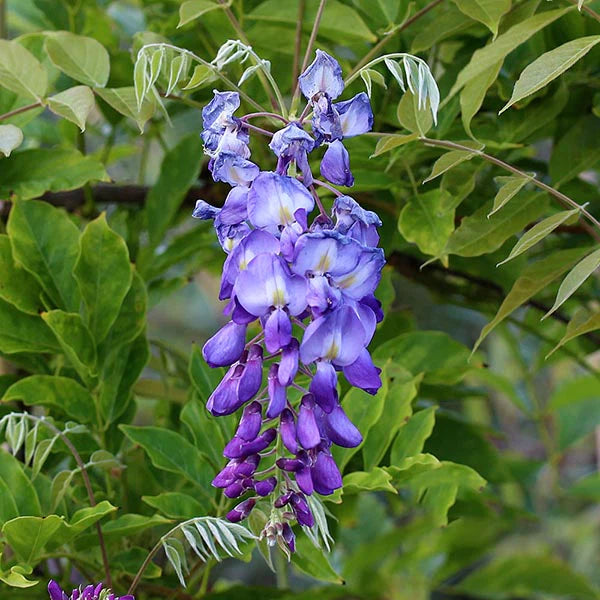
(311, 287)
(90, 592)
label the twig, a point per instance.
(18, 111)
(383, 41)
(259, 129)
(562, 198)
(587, 10)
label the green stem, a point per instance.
(18, 111)
(379, 59)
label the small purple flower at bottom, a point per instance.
(89, 592)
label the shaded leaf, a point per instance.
(488, 12)
(124, 101)
(412, 436)
(74, 104)
(193, 9)
(11, 137)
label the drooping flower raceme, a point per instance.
(90, 592)
(308, 284)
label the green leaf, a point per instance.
(417, 119)
(170, 451)
(526, 576)
(412, 436)
(176, 505)
(80, 521)
(129, 525)
(538, 232)
(397, 409)
(582, 322)
(130, 561)
(313, 561)
(549, 66)
(504, 44)
(30, 173)
(28, 536)
(74, 104)
(17, 494)
(488, 12)
(479, 235)
(75, 340)
(427, 222)
(473, 94)
(447, 161)
(576, 277)
(62, 393)
(11, 137)
(203, 378)
(178, 172)
(389, 142)
(15, 578)
(510, 187)
(534, 278)
(443, 360)
(201, 76)
(80, 57)
(21, 72)
(339, 22)
(104, 275)
(193, 9)
(375, 480)
(17, 286)
(124, 101)
(21, 332)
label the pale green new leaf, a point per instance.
(21, 72)
(80, 57)
(193, 9)
(575, 279)
(28, 536)
(124, 101)
(418, 120)
(549, 66)
(473, 94)
(74, 104)
(202, 75)
(447, 161)
(11, 137)
(389, 142)
(582, 322)
(538, 232)
(511, 186)
(488, 12)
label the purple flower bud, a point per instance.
(335, 166)
(362, 373)
(325, 474)
(251, 378)
(302, 511)
(205, 211)
(225, 399)
(355, 221)
(234, 490)
(217, 114)
(226, 346)
(278, 330)
(307, 430)
(282, 500)
(324, 386)
(226, 476)
(304, 480)
(238, 448)
(55, 591)
(292, 143)
(241, 511)
(277, 393)
(356, 116)
(266, 486)
(323, 75)
(288, 537)
(234, 170)
(340, 429)
(248, 466)
(251, 422)
(288, 365)
(287, 430)
(289, 464)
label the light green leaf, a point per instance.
(426, 221)
(580, 272)
(538, 232)
(534, 278)
(479, 235)
(22, 332)
(582, 322)
(104, 275)
(178, 172)
(510, 187)
(549, 66)
(412, 436)
(21, 72)
(202, 75)
(526, 576)
(74, 104)
(313, 561)
(17, 286)
(17, 494)
(473, 94)
(170, 451)
(488, 12)
(11, 137)
(389, 142)
(75, 340)
(193, 9)
(124, 101)
(80, 521)
(30, 173)
(177, 71)
(375, 480)
(447, 161)
(130, 561)
(176, 505)
(504, 44)
(80, 57)
(140, 79)
(15, 578)
(412, 117)
(62, 393)
(28, 536)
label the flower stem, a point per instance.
(259, 129)
(317, 200)
(329, 187)
(266, 115)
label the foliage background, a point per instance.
(478, 477)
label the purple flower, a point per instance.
(308, 430)
(241, 511)
(217, 116)
(325, 474)
(356, 222)
(356, 116)
(292, 144)
(226, 346)
(233, 169)
(90, 592)
(323, 75)
(335, 166)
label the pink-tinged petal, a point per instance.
(323, 75)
